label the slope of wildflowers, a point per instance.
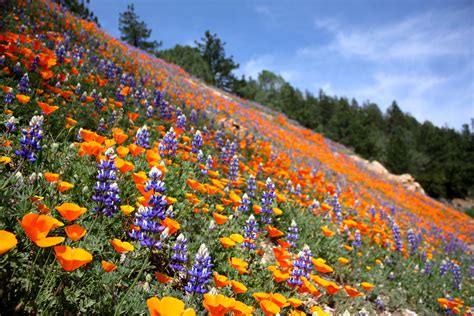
(127, 186)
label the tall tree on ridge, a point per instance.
(135, 32)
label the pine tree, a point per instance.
(212, 50)
(135, 32)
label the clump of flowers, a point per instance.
(196, 142)
(200, 273)
(106, 190)
(244, 204)
(268, 197)
(293, 234)
(169, 144)
(30, 141)
(179, 258)
(250, 233)
(143, 137)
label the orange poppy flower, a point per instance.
(367, 286)
(220, 219)
(343, 260)
(295, 302)
(238, 287)
(218, 305)
(352, 292)
(220, 280)
(127, 209)
(321, 266)
(226, 242)
(278, 299)
(327, 232)
(162, 278)
(280, 276)
(72, 258)
(269, 308)
(22, 98)
(122, 151)
(70, 122)
(241, 309)
(70, 211)
(75, 232)
(172, 225)
(46, 108)
(238, 264)
(168, 306)
(274, 232)
(7, 241)
(139, 177)
(64, 186)
(238, 238)
(108, 266)
(37, 228)
(51, 177)
(125, 91)
(122, 246)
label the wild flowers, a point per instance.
(106, 189)
(200, 273)
(30, 140)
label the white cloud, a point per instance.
(255, 65)
(428, 35)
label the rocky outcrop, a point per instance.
(406, 180)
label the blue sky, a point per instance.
(420, 53)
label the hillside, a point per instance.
(128, 185)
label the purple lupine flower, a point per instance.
(143, 137)
(149, 111)
(298, 190)
(193, 117)
(78, 89)
(102, 125)
(219, 139)
(268, 196)
(200, 156)
(208, 166)
(456, 271)
(397, 237)
(23, 85)
(106, 190)
(17, 68)
(200, 273)
(234, 168)
(35, 64)
(357, 242)
(289, 186)
(293, 234)
(301, 267)
(250, 233)
(10, 124)
(60, 54)
(169, 144)
(181, 121)
(196, 142)
(30, 141)
(260, 170)
(444, 267)
(244, 204)
(150, 228)
(179, 258)
(251, 186)
(412, 241)
(157, 201)
(9, 97)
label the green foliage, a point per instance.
(189, 59)
(212, 51)
(135, 32)
(441, 159)
(80, 8)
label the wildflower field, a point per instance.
(128, 187)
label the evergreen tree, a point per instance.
(79, 8)
(212, 50)
(189, 59)
(135, 32)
